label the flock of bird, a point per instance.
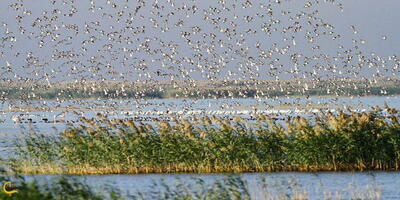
(142, 41)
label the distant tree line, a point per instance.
(13, 93)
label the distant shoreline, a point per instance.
(127, 108)
(198, 98)
(198, 89)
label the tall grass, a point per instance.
(343, 141)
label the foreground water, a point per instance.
(345, 185)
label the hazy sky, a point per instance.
(133, 40)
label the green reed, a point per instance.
(343, 141)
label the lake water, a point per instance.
(318, 185)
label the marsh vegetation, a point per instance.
(345, 140)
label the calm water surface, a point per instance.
(317, 185)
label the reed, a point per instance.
(346, 140)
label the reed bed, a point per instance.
(345, 140)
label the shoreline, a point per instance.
(142, 171)
(200, 98)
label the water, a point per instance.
(317, 185)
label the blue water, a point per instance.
(318, 185)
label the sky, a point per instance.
(198, 40)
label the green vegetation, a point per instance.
(343, 141)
